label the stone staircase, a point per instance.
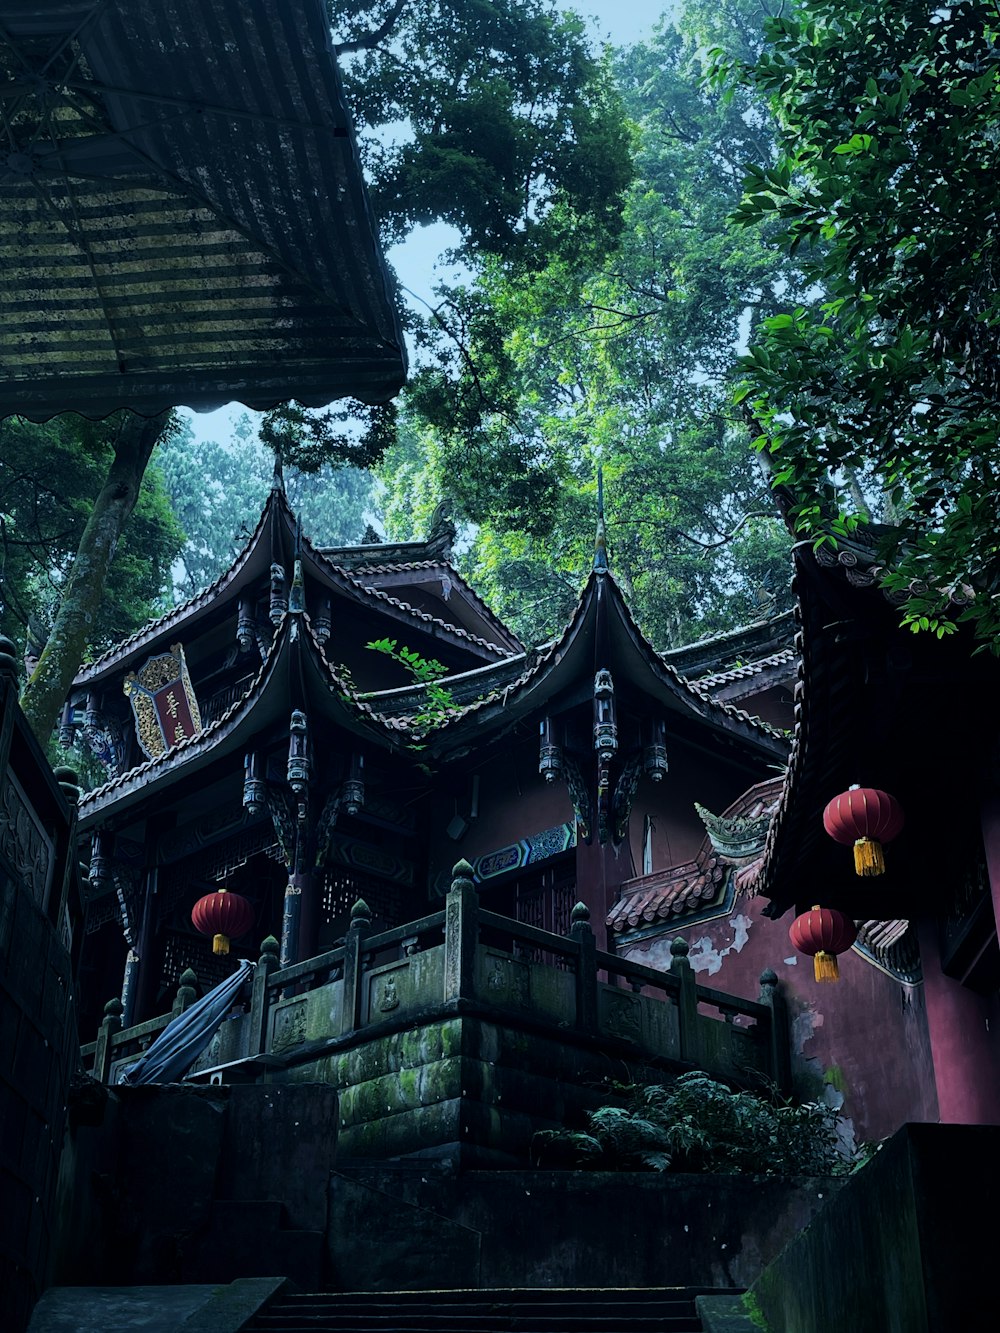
(526, 1310)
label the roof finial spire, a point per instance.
(601, 565)
(278, 478)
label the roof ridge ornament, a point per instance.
(601, 565)
(278, 475)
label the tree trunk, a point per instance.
(46, 691)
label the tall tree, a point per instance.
(108, 461)
(886, 186)
(627, 362)
(492, 115)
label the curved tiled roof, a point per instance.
(692, 886)
(670, 894)
(188, 223)
(452, 573)
(206, 739)
(169, 622)
(350, 578)
(747, 670)
(154, 629)
(554, 653)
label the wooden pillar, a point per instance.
(290, 920)
(599, 874)
(687, 1002)
(778, 1037)
(964, 1031)
(259, 1003)
(309, 913)
(109, 1029)
(138, 1007)
(350, 1014)
(586, 970)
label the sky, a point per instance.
(618, 22)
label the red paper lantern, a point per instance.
(822, 934)
(865, 817)
(223, 915)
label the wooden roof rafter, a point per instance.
(115, 193)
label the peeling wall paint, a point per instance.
(707, 957)
(706, 954)
(869, 1032)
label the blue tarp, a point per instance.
(181, 1042)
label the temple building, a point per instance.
(268, 738)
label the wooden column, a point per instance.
(991, 847)
(586, 969)
(259, 1002)
(290, 921)
(687, 1002)
(964, 1031)
(350, 1014)
(309, 913)
(110, 1027)
(599, 874)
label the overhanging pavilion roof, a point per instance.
(182, 213)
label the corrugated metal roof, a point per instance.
(182, 214)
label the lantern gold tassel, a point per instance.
(825, 966)
(868, 858)
(220, 944)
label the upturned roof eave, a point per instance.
(295, 655)
(563, 664)
(274, 533)
(250, 565)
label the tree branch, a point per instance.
(369, 39)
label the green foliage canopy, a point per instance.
(492, 115)
(50, 476)
(885, 187)
(626, 361)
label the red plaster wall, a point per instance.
(514, 802)
(964, 1032)
(677, 830)
(864, 1037)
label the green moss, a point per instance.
(834, 1076)
(754, 1313)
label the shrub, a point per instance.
(698, 1124)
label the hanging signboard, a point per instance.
(163, 701)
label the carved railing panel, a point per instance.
(483, 963)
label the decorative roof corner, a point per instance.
(601, 565)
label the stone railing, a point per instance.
(465, 959)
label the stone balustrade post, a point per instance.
(259, 1000)
(687, 1001)
(586, 968)
(772, 995)
(111, 1025)
(186, 992)
(461, 934)
(361, 924)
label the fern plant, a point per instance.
(697, 1124)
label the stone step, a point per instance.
(524, 1310)
(506, 1296)
(643, 1319)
